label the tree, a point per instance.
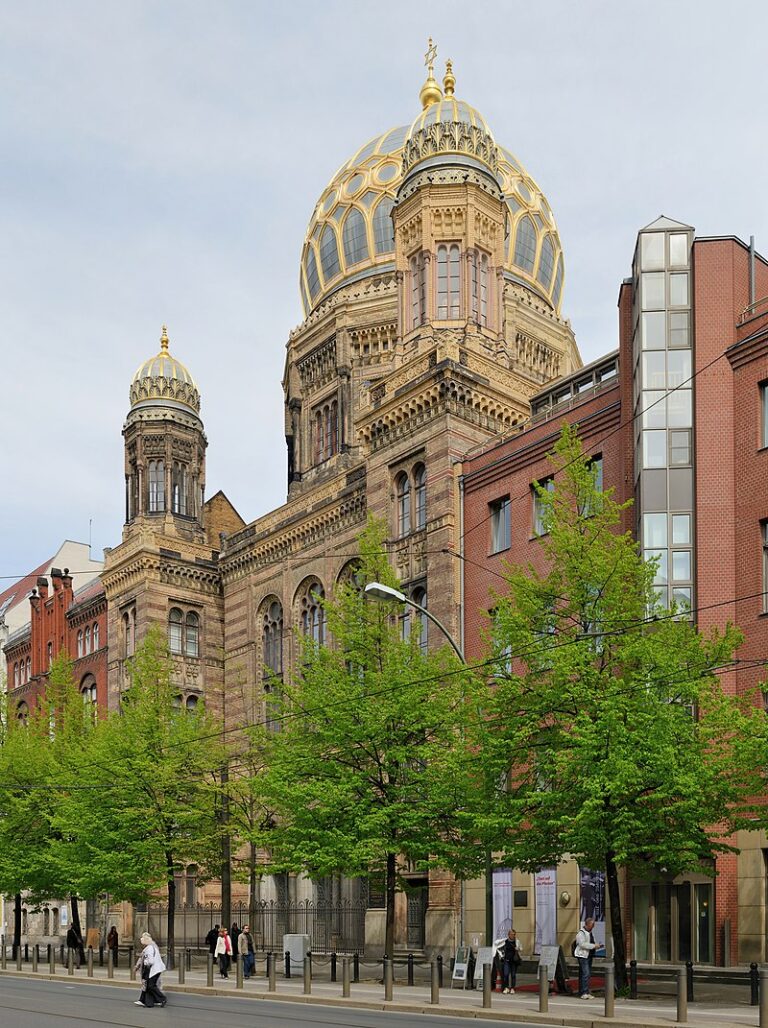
(610, 734)
(143, 802)
(365, 761)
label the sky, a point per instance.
(160, 161)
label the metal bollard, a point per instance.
(440, 971)
(18, 958)
(410, 968)
(682, 995)
(754, 990)
(345, 976)
(110, 964)
(239, 971)
(189, 958)
(89, 961)
(434, 984)
(130, 964)
(37, 951)
(101, 954)
(26, 952)
(3, 957)
(61, 953)
(387, 979)
(51, 960)
(633, 979)
(267, 962)
(35, 956)
(543, 989)
(763, 997)
(307, 977)
(486, 986)
(209, 970)
(610, 991)
(355, 967)
(182, 971)
(71, 962)
(333, 967)
(287, 964)
(272, 973)
(689, 980)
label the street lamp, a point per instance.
(379, 591)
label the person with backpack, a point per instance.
(511, 958)
(584, 951)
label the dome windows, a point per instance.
(355, 238)
(383, 229)
(525, 244)
(448, 282)
(354, 184)
(387, 172)
(313, 279)
(329, 254)
(546, 263)
(558, 282)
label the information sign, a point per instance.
(460, 966)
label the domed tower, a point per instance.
(164, 448)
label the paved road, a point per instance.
(34, 1004)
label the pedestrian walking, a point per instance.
(75, 943)
(246, 948)
(234, 932)
(211, 939)
(584, 951)
(151, 965)
(224, 952)
(112, 944)
(511, 959)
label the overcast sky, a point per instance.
(160, 160)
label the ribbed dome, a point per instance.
(350, 234)
(164, 380)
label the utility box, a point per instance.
(298, 947)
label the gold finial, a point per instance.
(449, 81)
(164, 339)
(430, 91)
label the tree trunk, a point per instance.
(617, 930)
(226, 854)
(253, 887)
(171, 933)
(389, 932)
(16, 923)
(75, 915)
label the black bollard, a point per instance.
(440, 971)
(410, 968)
(754, 990)
(26, 952)
(101, 954)
(356, 967)
(189, 959)
(333, 967)
(48, 953)
(61, 953)
(269, 961)
(633, 979)
(287, 964)
(689, 980)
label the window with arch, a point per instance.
(87, 640)
(329, 254)
(80, 650)
(355, 238)
(22, 712)
(184, 632)
(88, 690)
(313, 279)
(192, 634)
(191, 702)
(525, 244)
(16, 676)
(546, 263)
(326, 430)
(95, 635)
(179, 488)
(383, 228)
(479, 270)
(313, 618)
(46, 921)
(420, 491)
(421, 621)
(403, 488)
(156, 483)
(127, 641)
(50, 654)
(28, 671)
(272, 639)
(175, 630)
(448, 281)
(418, 290)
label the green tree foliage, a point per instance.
(610, 735)
(365, 761)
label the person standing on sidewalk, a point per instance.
(245, 946)
(211, 939)
(224, 952)
(584, 952)
(512, 957)
(113, 944)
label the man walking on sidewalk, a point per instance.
(584, 951)
(245, 947)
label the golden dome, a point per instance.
(164, 381)
(350, 234)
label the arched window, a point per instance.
(403, 487)
(156, 471)
(16, 676)
(190, 885)
(313, 620)
(80, 650)
(191, 702)
(87, 640)
(448, 282)
(22, 712)
(525, 245)
(272, 640)
(88, 690)
(28, 673)
(418, 291)
(334, 426)
(313, 279)
(420, 488)
(95, 635)
(546, 263)
(480, 287)
(421, 620)
(175, 623)
(178, 488)
(50, 654)
(192, 635)
(383, 228)
(127, 634)
(46, 921)
(329, 254)
(355, 238)
(556, 293)
(318, 436)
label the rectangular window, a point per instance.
(539, 506)
(654, 530)
(680, 447)
(652, 283)
(654, 449)
(681, 565)
(500, 524)
(654, 370)
(764, 414)
(678, 290)
(678, 250)
(652, 250)
(654, 330)
(679, 337)
(681, 529)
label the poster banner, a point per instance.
(546, 908)
(592, 901)
(502, 903)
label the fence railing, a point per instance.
(332, 928)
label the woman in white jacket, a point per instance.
(151, 965)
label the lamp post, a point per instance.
(379, 591)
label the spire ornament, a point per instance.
(449, 81)
(430, 91)
(164, 339)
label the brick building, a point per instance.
(677, 420)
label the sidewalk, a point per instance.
(657, 1011)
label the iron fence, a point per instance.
(332, 928)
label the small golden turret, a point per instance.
(430, 91)
(449, 81)
(164, 339)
